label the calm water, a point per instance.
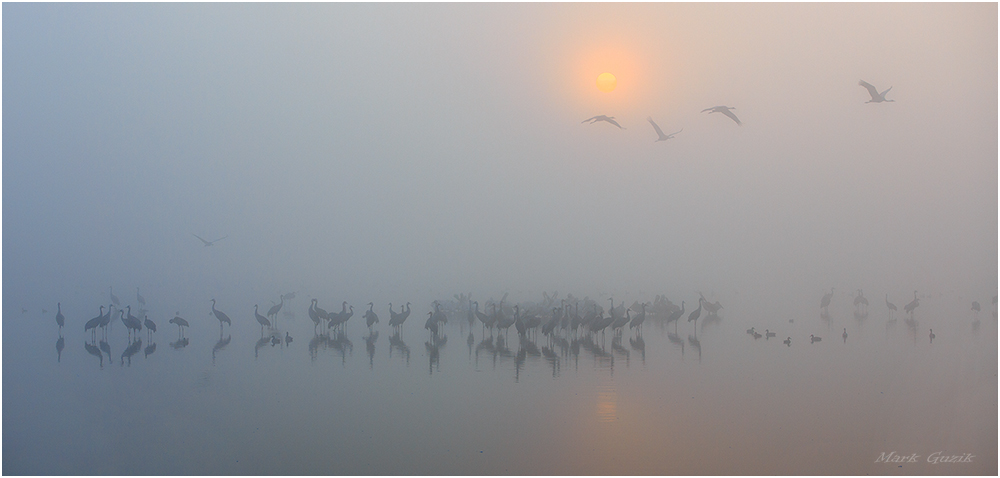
(356, 406)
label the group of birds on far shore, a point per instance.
(557, 319)
(876, 97)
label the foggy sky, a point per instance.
(388, 151)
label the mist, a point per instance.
(410, 152)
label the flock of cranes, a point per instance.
(876, 97)
(562, 321)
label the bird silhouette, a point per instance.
(221, 316)
(132, 322)
(609, 119)
(272, 313)
(371, 318)
(261, 320)
(114, 298)
(659, 132)
(288, 338)
(826, 299)
(313, 315)
(92, 324)
(675, 315)
(208, 243)
(788, 342)
(693, 317)
(140, 299)
(724, 110)
(768, 334)
(975, 308)
(180, 322)
(913, 304)
(876, 96)
(932, 336)
(890, 305)
(845, 335)
(150, 327)
(60, 320)
(638, 320)
(813, 339)
(60, 345)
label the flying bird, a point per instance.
(724, 110)
(876, 96)
(659, 132)
(609, 119)
(208, 243)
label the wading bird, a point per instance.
(876, 96)
(659, 132)
(890, 305)
(180, 324)
(261, 320)
(724, 110)
(150, 327)
(913, 304)
(371, 318)
(221, 316)
(61, 321)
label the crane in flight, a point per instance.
(724, 110)
(208, 243)
(659, 132)
(609, 119)
(876, 96)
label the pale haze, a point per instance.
(408, 152)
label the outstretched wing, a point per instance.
(671, 135)
(709, 109)
(871, 89)
(882, 94)
(733, 116)
(202, 240)
(590, 119)
(659, 132)
(223, 237)
(609, 120)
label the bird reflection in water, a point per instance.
(131, 350)
(342, 344)
(93, 350)
(676, 340)
(553, 359)
(221, 344)
(106, 348)
(149, 350)
(485, 345)
(693, 340)
(396, 342)
(179, 344)
(370, 348)
(261, 342)
(60, 345)
(617, 347)
(434, 346)
(314, 344)
(639, 345)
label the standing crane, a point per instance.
(221, 316)
(61, 321)
(261, 320)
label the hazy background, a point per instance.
(388, 150)
(407, 152)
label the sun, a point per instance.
(606, 82)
